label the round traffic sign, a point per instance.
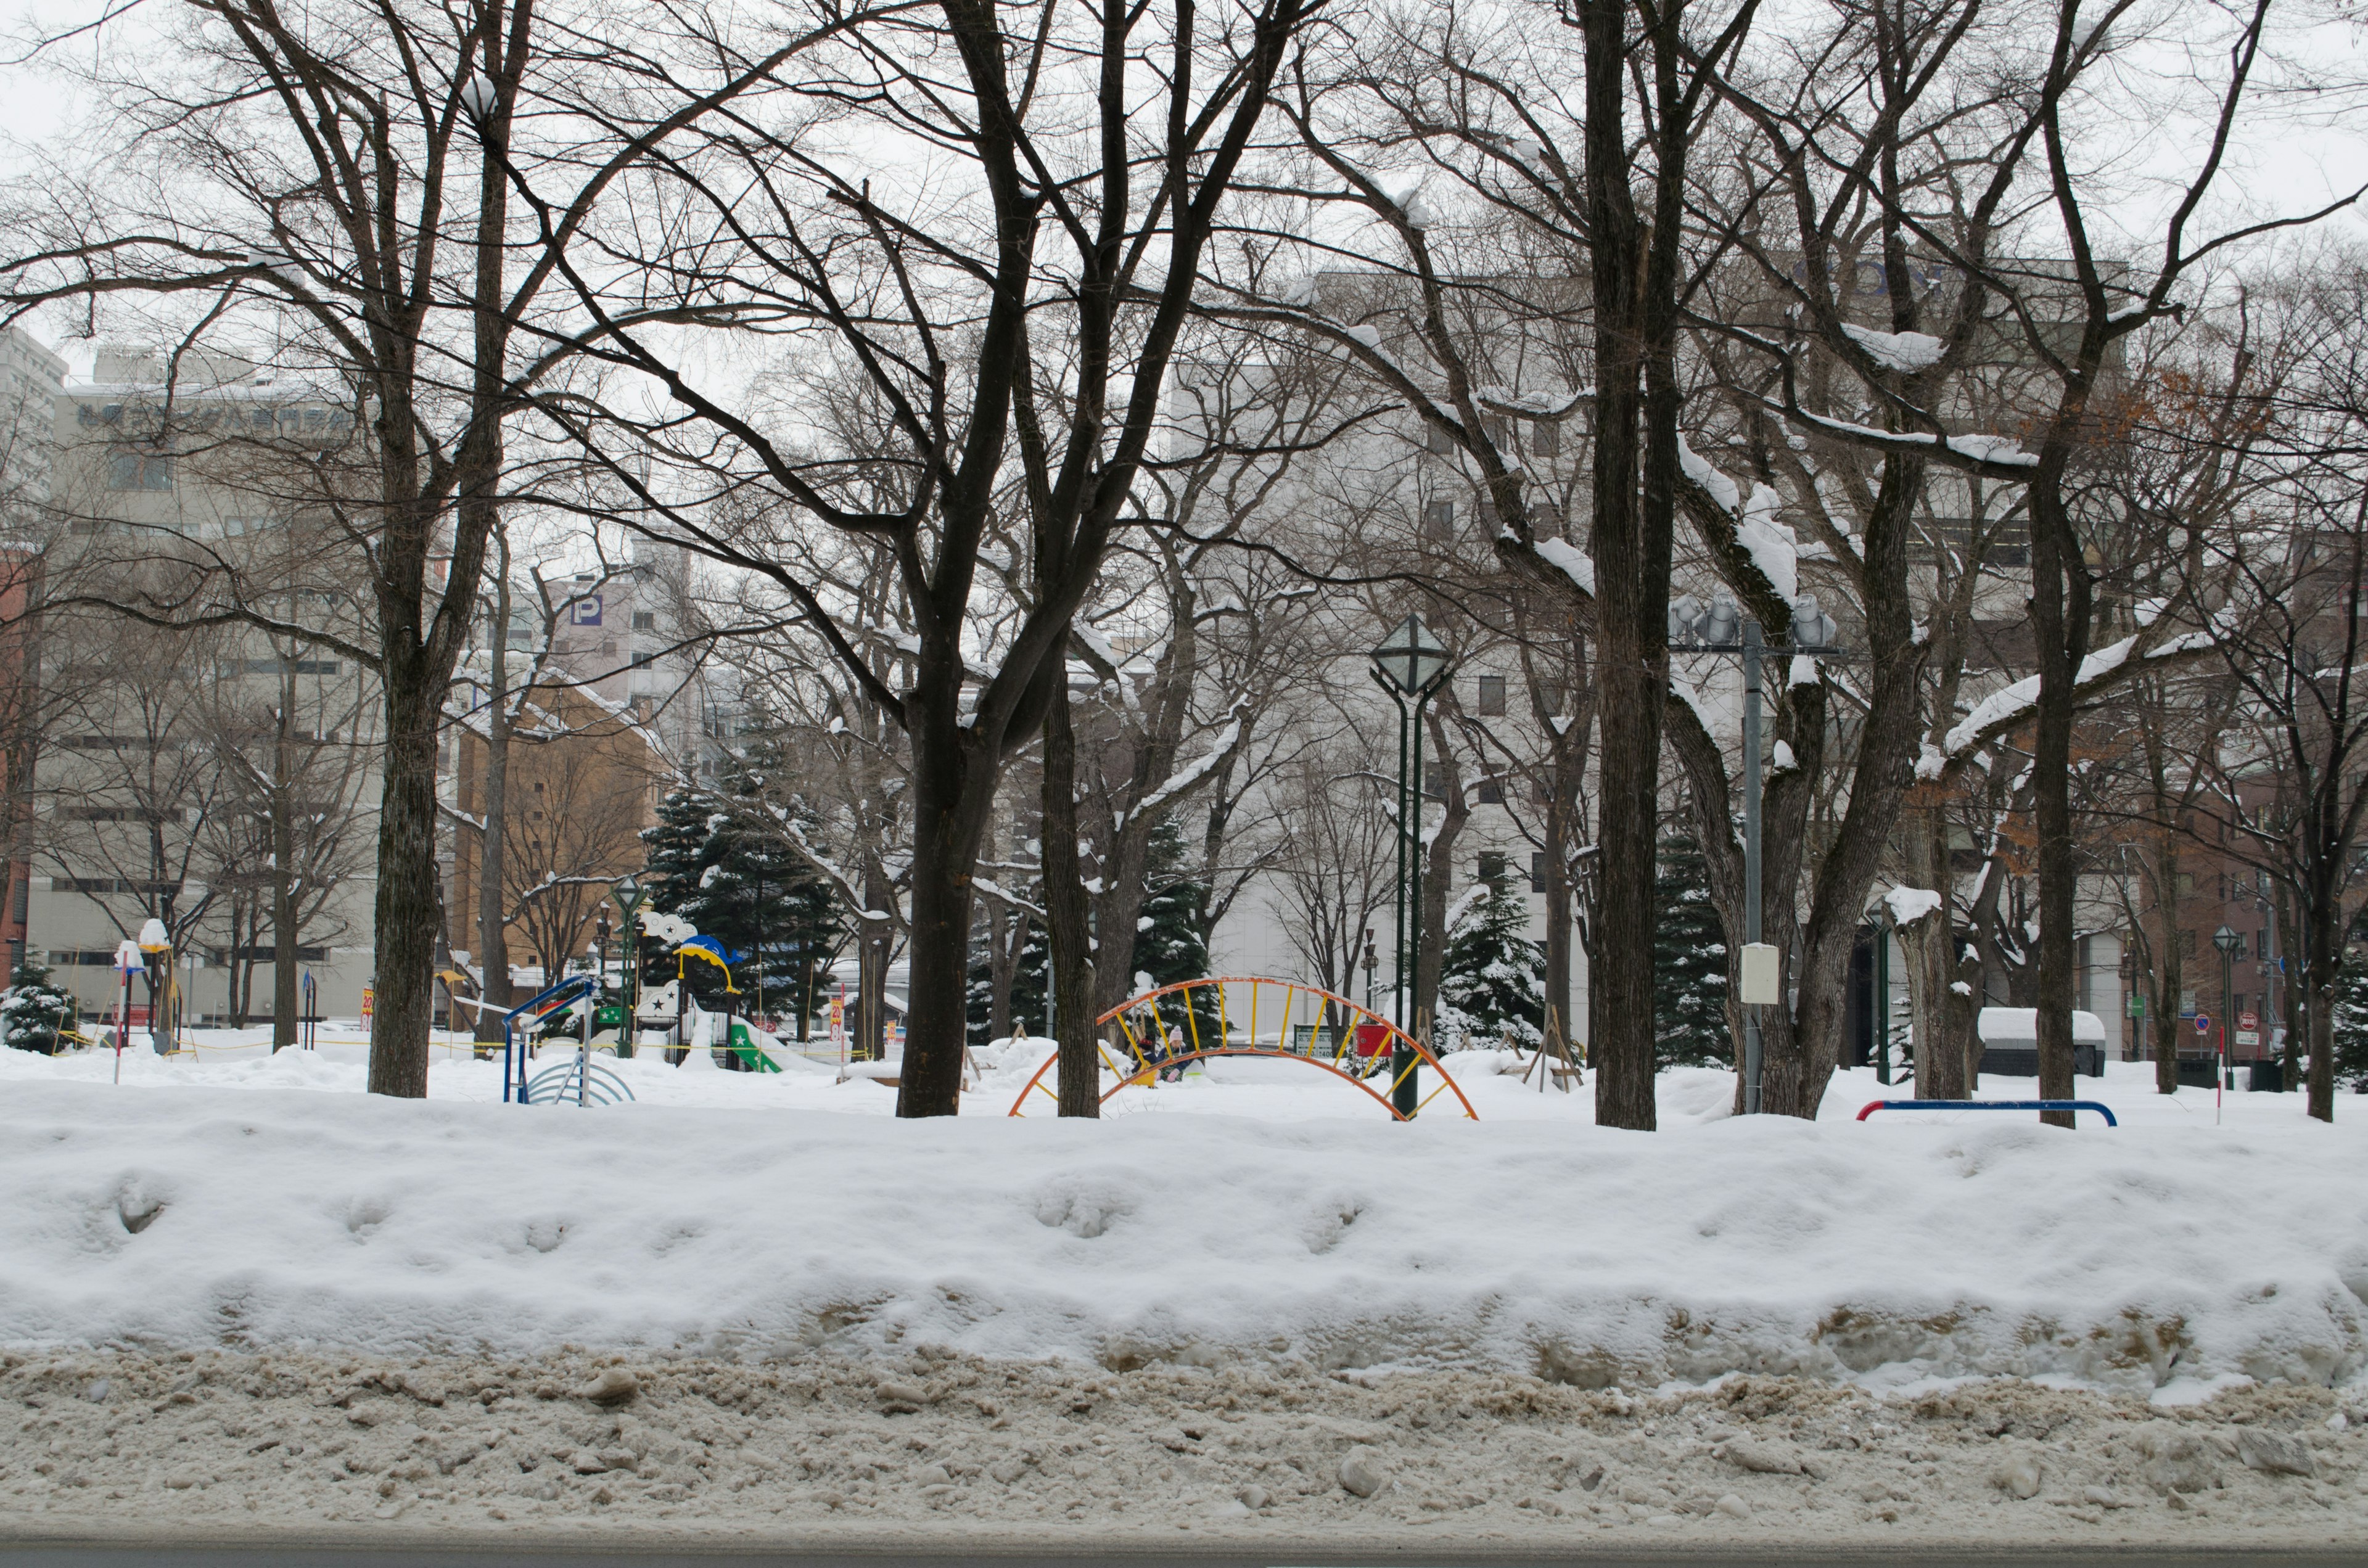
(2202, 1023)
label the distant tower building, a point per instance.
(30, 380)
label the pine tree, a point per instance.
(2350, 1025)
(1689, 963)
(34, 1010)
(1491, 979)
(1168, 948)
(1027, 980)
(712, 862)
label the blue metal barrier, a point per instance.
(2100, 1107)
(514, 1057)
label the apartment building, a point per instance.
(203, 778)
(30, 380)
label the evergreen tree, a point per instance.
(34, 1010)
(1027, 980)
(2350, 1025)
(713, 862)
(1168, 947)
(1491, 977)
(1689, 963)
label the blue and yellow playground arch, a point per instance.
(1357, 1048)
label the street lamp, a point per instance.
(627, 895)
(1411, 664)
(1721, 627)
(2231, 944)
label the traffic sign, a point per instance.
(2202, 1023)
(2249, 1037)
(2248, 1019)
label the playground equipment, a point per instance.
(576, 1079)
(579, 1080)
(2099, 1106)
(1356, 1046)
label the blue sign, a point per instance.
(585, 611)
(2202, 1023)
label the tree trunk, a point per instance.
(1556, 852)
(410, 899)
(284, 1004)
(1074, 990)
(493, 929)
(1630, 630)
(1925, 944)
(2060, 610)
(953, 800)
(2322, 912)
(2167, 987)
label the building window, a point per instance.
(2187, 945)
(1551, 695)
(646, 620)
(1545, 438)
(1537, 870)
(1437, 440)
(643, 661)
(1437, 520)
(1492, 793)
(131, 468)
(1492, 697)
(1492, 868)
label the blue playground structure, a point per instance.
(2097, 1105)
(579, 1080)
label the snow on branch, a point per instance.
(1907, 905)
(2011, 706)
(1193, 774)
(1567, 559)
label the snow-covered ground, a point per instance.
(235, 1288)
(276, 1204)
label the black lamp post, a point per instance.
(627, 895)
(1411, 664)
(2231, 944)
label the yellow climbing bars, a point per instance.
(1361, 1043)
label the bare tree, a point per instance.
(1038, 243)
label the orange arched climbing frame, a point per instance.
(1377, 1036)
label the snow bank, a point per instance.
(270, 1213)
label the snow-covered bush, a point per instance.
(1491, 978)
(33, 1011)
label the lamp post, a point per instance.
(2232, 947)
(128, 962)
(1722, 627)
(627, 895)
(1411, 664)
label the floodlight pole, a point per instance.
(1752, 650)
(1812, 633)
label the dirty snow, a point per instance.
(841, 1321)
